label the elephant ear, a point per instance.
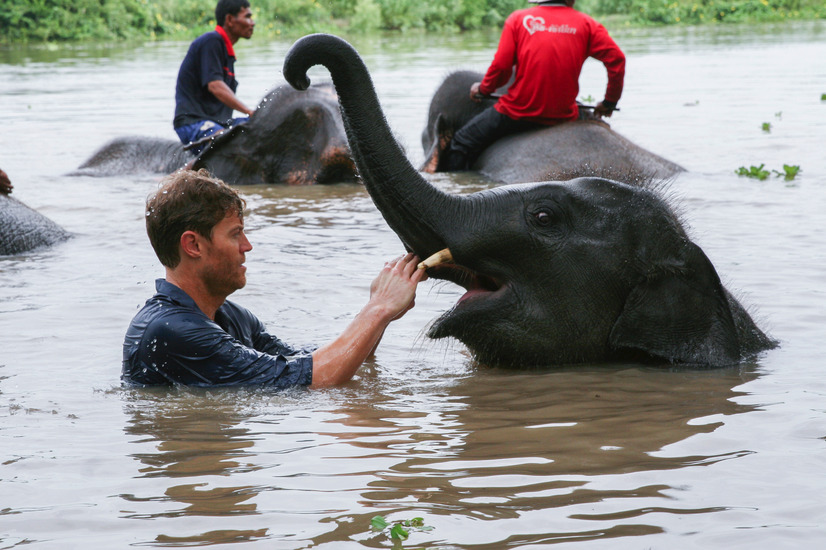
(216, 140)
(442, 135)
(679, 312)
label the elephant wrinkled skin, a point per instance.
(588, 270)
(292, 138)
(23, 229)
(572, 149)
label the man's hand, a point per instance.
(392, 294)
(395, 286)
(604, 110)
(475, 94)
(5, 184)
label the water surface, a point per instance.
(490, 458)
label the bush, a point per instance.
(50, 20)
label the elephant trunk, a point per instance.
(420, 214)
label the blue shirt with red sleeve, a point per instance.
(171, 342)
(210, 57)
(548, 44)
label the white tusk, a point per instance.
(441, 257)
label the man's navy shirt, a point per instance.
(171, 341)
(208, 59)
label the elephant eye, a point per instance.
(543, 217)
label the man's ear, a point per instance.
(191, 244)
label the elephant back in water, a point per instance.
(572, 149)
(586, 270)
(293, 137)
(135, 155)
(23, 229)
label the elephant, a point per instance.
(589, 270)
(135, 155)
(23, 229)
(585, 147)
(291, 138)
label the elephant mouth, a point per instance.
(478, 286)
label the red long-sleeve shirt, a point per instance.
(548, 45)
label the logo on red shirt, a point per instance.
(537, 24)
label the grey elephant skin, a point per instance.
(23, 229)
(578, 148)
(292, 138)
(589, 270)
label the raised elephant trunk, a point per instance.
(415, 210)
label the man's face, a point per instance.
(240, 25)
(223, 269)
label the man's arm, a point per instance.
(225, 95)
(501, 68)
(391, 295)
(606, 50)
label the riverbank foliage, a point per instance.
(64, 20)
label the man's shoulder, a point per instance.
(209, 35)
(239, 313)
(209, 39)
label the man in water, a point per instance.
(205, 92)
(189, 334)
(548, 44)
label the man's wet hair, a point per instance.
(228, 7)
(187, 201)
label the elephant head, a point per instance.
(293, 138)
(555, 272)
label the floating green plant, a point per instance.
(767, 126)
(789, 171)
(756, 172)
(399, 530)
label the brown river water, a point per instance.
(598, 456)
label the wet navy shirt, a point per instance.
(171, 341)
(210, 57)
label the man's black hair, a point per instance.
(228, 7)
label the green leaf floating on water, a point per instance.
(399, 532)
(379, 523)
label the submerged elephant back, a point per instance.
(294, 137)
(23, 229)
(135, 155)
(570, 150)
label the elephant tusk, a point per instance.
(441, 257)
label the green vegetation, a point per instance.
(767, 127)
(789, 172)
(693, 12)
(61, 20)
(758, 172)
(399, 530)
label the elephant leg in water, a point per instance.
(571, 149)
(555, 272)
